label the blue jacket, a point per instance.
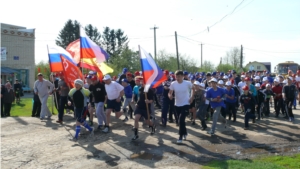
(128, 91)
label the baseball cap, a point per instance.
(276, 80)
(208, 74)
(243, 76)
(106, 77)
(166, 72)
(213, 80)
(94, 78)
(225, 77)
(265, 79)
(202, 84)
(257, 85)
(197, 83)
(92, 72)
(221, 82)
(214, 73)
(124, 70)
(257, 78)
(125, 80)
(228, 83)
(290, 78)
(268, 85)
(246, 88)
(40, 74)
(185, 73)
(247, 79)
(79, 81)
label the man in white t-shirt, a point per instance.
(241, 84)
(181, 89)
(114, 92)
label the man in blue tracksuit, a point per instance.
(247, 103)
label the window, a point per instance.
(258, 67)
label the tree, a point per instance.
(93, 33)
(207, 66)
(224, 67)
(44, 69)
(68, 34)
(233, 57)
(114, 41)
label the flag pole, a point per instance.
(147, 107)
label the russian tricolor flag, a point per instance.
(153, 75)
(90, 49)
(54, 53)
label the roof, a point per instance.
(7, 70)
(265, 63)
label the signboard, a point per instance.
(3, 53)
(16, 57)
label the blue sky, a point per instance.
(269, 30)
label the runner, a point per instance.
(80, 95)
(143, 109)
(181, 89)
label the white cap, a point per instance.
(225, 77)
(202, 84)
(213, 80)
(257, 78)
(106, 77)
(228, 83)
(284, 82)
(79, 81)
(197, 83)
(265, 79)
(290, 78)
(268, 85)
(221, 82)
(257, 85)
(92, 72)
(276, 80)
(243, 76)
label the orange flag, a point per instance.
(70, 71)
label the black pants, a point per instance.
(36, 110)
(2, 108)
(289, 105)
(182, 112)
(278, 106)
(267, 107)
(258, 109)
(56, 100)
(63, 101)
(231, 110)
(7, 107)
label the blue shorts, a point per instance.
(114, 105)
(80, 114)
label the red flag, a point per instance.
(39, 69)
(70, 71)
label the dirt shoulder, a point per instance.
(28, 142)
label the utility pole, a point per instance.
(154, 28)
(201, 55)
(241, 64)
(177, 51)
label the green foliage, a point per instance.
(93, 33)
(68, 34)
(44, 69)
(114, 42)
(128, 58)
(271, 162)
(207, 66)
(224, 67)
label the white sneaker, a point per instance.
(210, 132)
(92, 132)
(106, 130)
(179, 141)
(184, 137)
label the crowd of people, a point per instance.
(203, 96)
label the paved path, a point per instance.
(28, 142)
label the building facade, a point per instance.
(17, 54)
(259, 66)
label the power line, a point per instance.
(272, 51)
(207, 29)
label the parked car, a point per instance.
(26, 89)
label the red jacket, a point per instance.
(277, 90)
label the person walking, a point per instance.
(181, 88)
(17, 90)
(36, 109)
(63, 89)
(41, 88)
(289, 93)
(8, 99)
(216, 96)
(247, 103)
(114, 92)
(79, 95)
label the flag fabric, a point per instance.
(89, 63)
(71, 72)
(54, 53)
(90, 49)
(153, 75)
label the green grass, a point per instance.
(24, 108)
(271, 162)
